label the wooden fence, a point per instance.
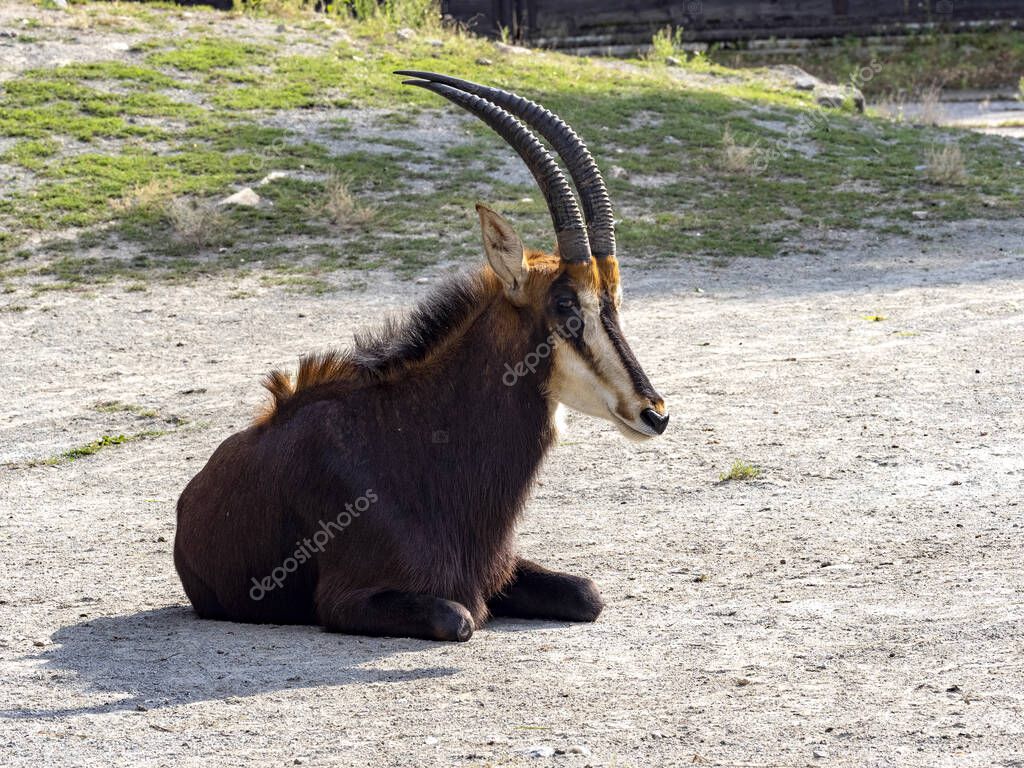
(615, 23)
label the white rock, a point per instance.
(272, 176)
(919, 215)
(405, 33)
(244, 197)
(514, 49)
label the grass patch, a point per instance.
(739, 158)
(910, 64)
(106, 441)
(341, 206)
(195, 225)
(134, 150)
(116, 406)
(945, 165)
(740, 470)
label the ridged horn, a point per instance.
(597, 206)
(570, 228)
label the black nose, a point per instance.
(654, 420)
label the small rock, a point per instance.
(539, 750)
(516, 50)
(405, 33)
(435, 43)
(805, 82)
(62, 4)
(279, 28)
(820, 753)
(919, 215)
(484, 62)
(430, 741)
(38, 643)
(834, 96)
(618, 172)
(245, 197)
(422, 280)
(272, 176)
(578, 749)
(8, 33)
(672, 61)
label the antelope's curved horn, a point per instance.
(570, 229)
(597, 206)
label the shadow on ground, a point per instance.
(166, 657)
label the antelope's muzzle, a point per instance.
(654, 420)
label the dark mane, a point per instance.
(391, 348)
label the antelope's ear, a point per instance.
(504, 250)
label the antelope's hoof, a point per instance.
(588, 602)
(452, 621)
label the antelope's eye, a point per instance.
(565, 305)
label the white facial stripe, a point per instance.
(595, 387)
(609, 365)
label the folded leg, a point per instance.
(391, 613)
(538, 593)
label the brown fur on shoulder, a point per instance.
(314, 369)
(394, 347)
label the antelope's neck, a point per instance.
(498, 372)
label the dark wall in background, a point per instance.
(595, 23)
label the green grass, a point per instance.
(905, 65)
(116, 406)
(740, 470)
(109, 145)
(106, 441)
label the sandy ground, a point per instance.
(859, 604)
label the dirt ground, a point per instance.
(858, 604)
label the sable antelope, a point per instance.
(379, 492)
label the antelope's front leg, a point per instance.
(538, 593)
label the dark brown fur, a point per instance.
(416, 414)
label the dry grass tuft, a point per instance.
(945, 165)
(740, 158)
(154, 192)
(341, 206)
(932, 110)
(195, 225)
